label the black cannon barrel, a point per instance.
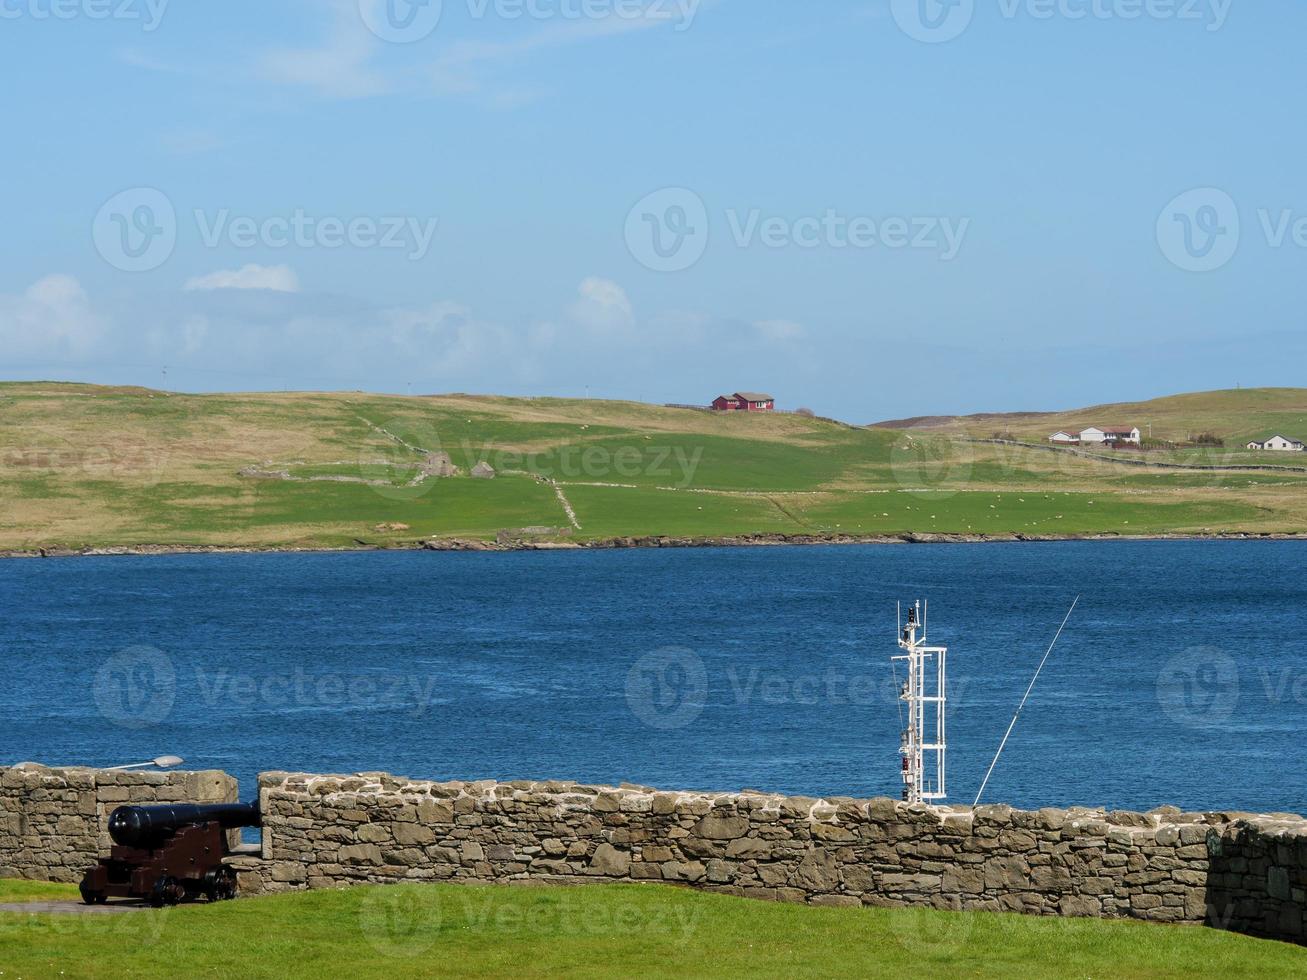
(141, 826)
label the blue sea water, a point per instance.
(1181, 678)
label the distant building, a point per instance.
(1065, 438)
(1278, 444)
(745, 401)
(1111, 433)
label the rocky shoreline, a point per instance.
(640, 542)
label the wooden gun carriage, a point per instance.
(169, 854)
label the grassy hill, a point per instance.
(85, 466)
(601, 931)
(1237, 416)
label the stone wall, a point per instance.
(1257, 877)
(54, 822)
(1231, 870)
(1236, 871)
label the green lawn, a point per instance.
(1021, 512)
(34, 891)
(605, 931)
(613, 512)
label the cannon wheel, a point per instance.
(220, 885)
(93, 898)
(167, 891)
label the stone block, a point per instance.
(749, 849)
(683, 871)
(360, 854)
(720, 827)
(409, 834)
(610, 862)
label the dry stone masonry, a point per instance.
(1230, 870)
(54, 823)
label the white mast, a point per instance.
(924, 745)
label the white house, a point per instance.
(1278, 444)
(1111, 433)
(1065, 438)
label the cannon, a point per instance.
(169, 854)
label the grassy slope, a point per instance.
(89, 466)
(605, 931)
(1238, 416)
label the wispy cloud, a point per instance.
(779, 329)
(469, 67)
(348, 61)
(53, 317)
(602, 307)
(240, 324)
(339, 66)
(276, 278)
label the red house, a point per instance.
(745, 401)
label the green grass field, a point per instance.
(84, 466)
(605, 931)
(1237, 416)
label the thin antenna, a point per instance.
(1021, 706)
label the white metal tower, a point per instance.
(924, 744)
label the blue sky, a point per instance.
(875, 209)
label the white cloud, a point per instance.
(602, 306)
(52, 318)
(456, 71)
(350, 62)
(779, 330)
(444, 338)
(340, 66)
(216, 335)
(278, 278)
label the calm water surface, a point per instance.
(1181, 679)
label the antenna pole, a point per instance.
(1021, 706)
(923, 739)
